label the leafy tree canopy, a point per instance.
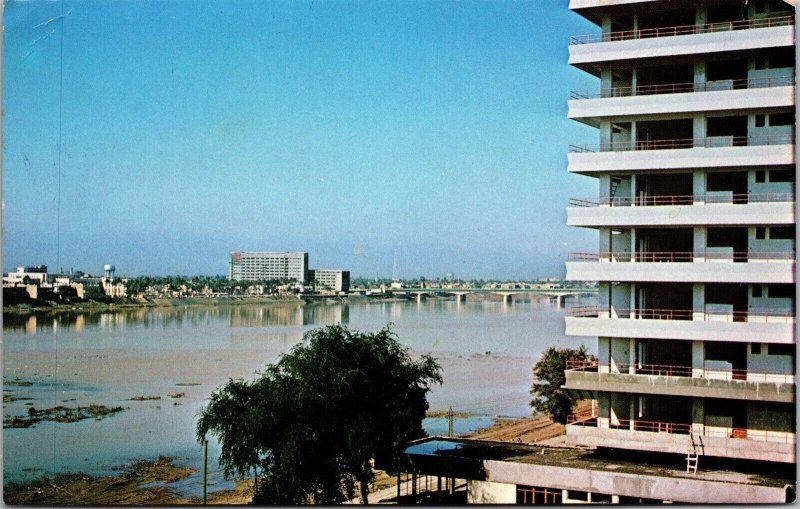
(548, 378)
(311, 423)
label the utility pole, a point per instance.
(205, 470)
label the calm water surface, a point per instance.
(180, 355)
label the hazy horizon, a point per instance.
(161, 136)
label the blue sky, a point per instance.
(346, 129)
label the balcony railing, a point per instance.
(681, 256)
(683, 199)
(650, 33)
(685, 88)
(779, 315)
(680, 428)
(686, 143)
(685, 371)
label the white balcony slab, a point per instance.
(692, 44)
(711, 214)
(591, 4)
(717, 271)
(620, 108)
(721, 386)
(688, 158)
(722, 446)
(771, 330)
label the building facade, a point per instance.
(694, 387)
(253, 266)
(331, 280)
(695, 165)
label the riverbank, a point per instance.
(148, 482)
(127, 303)
(141, 483)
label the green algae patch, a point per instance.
(60, 414)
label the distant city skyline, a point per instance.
(348, 130)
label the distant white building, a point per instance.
(252, 266)
(334, 280)
(36, 274)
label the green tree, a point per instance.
(548, 378)
(310, 425)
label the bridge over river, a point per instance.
(507, 293)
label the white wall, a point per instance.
(485, 492)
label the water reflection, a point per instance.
(266, 315)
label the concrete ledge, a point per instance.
(777, 271)
(680, 386)
(687, 158)
(740, 332)
(689, 215)
(740, 448)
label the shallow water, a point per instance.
(486, 349)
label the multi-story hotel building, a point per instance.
(694, 385)
(251, 266)
(331, 280)
(695, 163)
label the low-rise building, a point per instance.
(333, 280)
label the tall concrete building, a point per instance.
(695, 165)
(694, 387)
(251, 266)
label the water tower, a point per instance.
(109, 269)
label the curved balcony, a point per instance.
(672, 437)
(711, 266)
(719, 208)
(711, 379)
(685, 88)
(686, 143)
(589, 52)
(770, 326)
(696, 153)
(654, 101)
(650, 33)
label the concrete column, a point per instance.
(606, 78)
(605, 184)
(632, 357)
(698, 184)
(507, 298)
(698, 358)
(698, 415)
(701, 15)
(698, 129)
(700, 241)
(419, 297)
(634, 80)
(631, 412)
(603, 354)
(605, 133)
(698, 301)
(700, 71)
(605, 240)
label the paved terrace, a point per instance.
(611, 472)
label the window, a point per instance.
(773, 349)
(756, 291)
(781, 176)
(781, 119)
(780, 291)
(755, 348)
(781, 232)
(760, 121)
(761, 233)
(761, 176)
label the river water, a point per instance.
(180, 355)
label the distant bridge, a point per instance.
(507, 293)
